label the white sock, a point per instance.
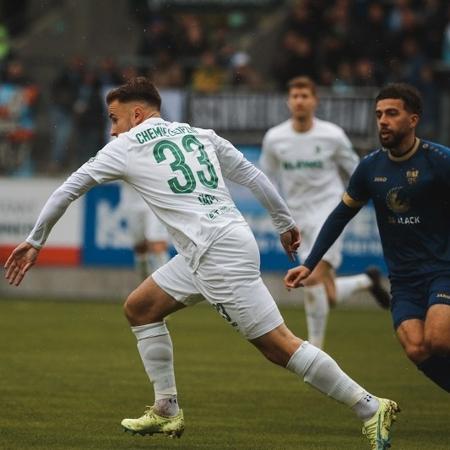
(321, 371)
(346, 286)
(366, 407)
(316, 309)
(156, 260)
(155, 348)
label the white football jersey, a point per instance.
(309, 167)
(176, 170)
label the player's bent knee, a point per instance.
(417, 352)
(136, 308)
(278, 346)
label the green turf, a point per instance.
(69, 372)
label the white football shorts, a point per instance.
(228, 277)
(309, 232)
(144, 225)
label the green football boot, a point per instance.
(378, 428)
(152, 423)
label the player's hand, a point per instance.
(21, 259)
(295, 276)
(290, 240)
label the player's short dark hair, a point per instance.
(136, 89)
(302, 83)
(409, 94)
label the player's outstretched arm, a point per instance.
(24, 255)
(296, 276)
(22, 258)
(290, 240)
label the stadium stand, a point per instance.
(212, 50)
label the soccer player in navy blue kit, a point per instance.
(408, 180)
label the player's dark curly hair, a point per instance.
(136, 89)
(409, 94)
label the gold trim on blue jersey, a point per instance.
(351, 202)
(408, 154)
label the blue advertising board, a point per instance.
(107, 242)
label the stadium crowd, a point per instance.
(339, 43)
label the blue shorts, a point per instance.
(412, 298)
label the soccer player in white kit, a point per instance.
(312, 160)
(179, 171)
(149, 237)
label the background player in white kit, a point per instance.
(149, 236)
(311, 160)
(179, 171)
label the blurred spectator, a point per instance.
(371, 33)
(64, 92)
(209, 76)
(166, 72)
(365, 73)
(302, 20)
(396, 15)
(334, 50)
(89, 111)
(413, 59)
(14, 14)
(344, 79)
(128, 72)
(5, 48)
(433, 14)
(193, 42)
(15, 73)
(221, 45)
(446, 40)
(295, 58)
(157, 36)
(243, 75)
(109, 73)
(427, 86)
(18, 96)
(326, 77)
(338, 19)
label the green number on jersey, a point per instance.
(203, 159)
(180, 164)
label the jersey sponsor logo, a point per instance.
(207, 199)
(397, 201)
(214, 213)
(380, 179)
(302, 164)
(412, 175)
(443, 295)
(410, 220)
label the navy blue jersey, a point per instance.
(411, 196)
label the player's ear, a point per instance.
(414, 120)
(137, 115)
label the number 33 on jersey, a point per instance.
(178, 170)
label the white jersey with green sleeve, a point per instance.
(179, 171)
(311, 168)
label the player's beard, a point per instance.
(392, 140)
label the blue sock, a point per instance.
(437, 369)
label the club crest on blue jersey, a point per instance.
(397, 201)
(412, 176)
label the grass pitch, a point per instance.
(69, 372)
